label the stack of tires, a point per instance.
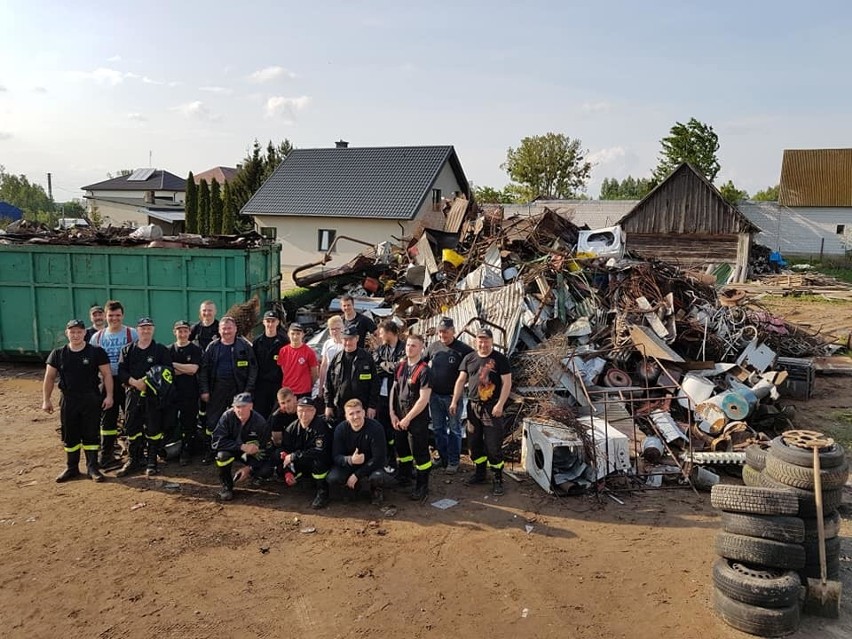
(757, 582)
(791, 468)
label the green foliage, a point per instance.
(72, 208)
(731, 193)
(28, 196)
(551, 165)
(490, 195)
(769, 194)
(629, 188)
(190, 206)
(95, 218)
(216, 208)
(228, 213)
(204, 208)
(693, 142)
(255, 168)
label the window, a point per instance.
(436, 199)
(269, 232)
(841, 229)
(325, 237)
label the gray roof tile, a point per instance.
(159, 181)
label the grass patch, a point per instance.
(840, 428)
(809, 298)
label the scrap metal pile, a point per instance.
(646, 349)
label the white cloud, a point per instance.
(102, 75)
(196, 110)
(607, 156)
(39, 90)
(217, 90)
(5, 135)
(601, 106)
(279, 106)
(270, 73)
(137, 117)
(114, 58)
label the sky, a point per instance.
(91, 87)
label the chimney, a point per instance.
(341, 144)
(149, 197)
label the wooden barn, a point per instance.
(686, 221)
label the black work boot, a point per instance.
(421, 488)
(227, 492)
(92, 469)
(377, 495)
(186, 445)
(106, 459)
(207, 455)
(321, 500)
(403, 473)
(135, 459)
(497, 482)
(72, 467)
(151, 467)
(478, 475)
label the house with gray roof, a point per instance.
(318, 197)
(143, 197)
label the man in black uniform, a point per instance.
(410, 415)
(241, 434)
(489, 379)
(306, 448)
(444, 356)
(228, 368)
(358, 453)
(363, 325)
(282, 416)
(145, 369)
(351, 375)
(387, 356)
(77, 365)
(186, 360)
(98, 319)
(266, 347)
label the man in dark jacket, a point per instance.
(183, 416)
(228, 368)
(241, 434)
(351, 375)
(306, 448)
(388, 356)
(266, 347)
(358, 452)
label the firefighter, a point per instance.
(77, 365)
(410, 415)
(351, 375)
(266, 347)
(186, 360)
(306, 448)
(242, 435)
(388, 355)
(489, 380)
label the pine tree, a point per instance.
(216, 207)
(228, 214)
(190, 224)
(204, 208)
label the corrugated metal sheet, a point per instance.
(801, 230)
(455, 217)
(816, 177)
(595, 214)
(501, 307)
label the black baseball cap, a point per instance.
(144, 321)
(350, 331)
(76, 323)
(306, 401)
(295, 326)
(182, 324)
(446, 322)
(270, 315)
(241, 399)
(485, 332)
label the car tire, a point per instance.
(755, 456)
(831, 521)
(760, 552)
(758, 500)
(750, 476)
(764, 622)
(777, 527)
(756, 585)
(830, 458)
(802, 477)
(831, 499)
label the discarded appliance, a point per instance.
(605, 242)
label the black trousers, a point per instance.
(182, 418)
(221, 398)
(143, 416)
(413, 445)
(265, 397)
(485, 435)
(338, 476)
(260, 468)
(79, 416)
(109, 418)
(383, 417)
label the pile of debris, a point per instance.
(638, 346)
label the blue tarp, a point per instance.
(10, 212)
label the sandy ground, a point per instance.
(131, 558)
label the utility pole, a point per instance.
(50, 186)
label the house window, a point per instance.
(270, 232)
(841, 229)
(325, 237)
(436, 199)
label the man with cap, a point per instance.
(306, 448)
(387, 356)
(358, 452)
(351, 375)
(266, 347)
(78, 366)
(98, 319)
(241, 435)
(363, 325)
(228, 368)
(298, 362)
(186, 360)
(489, 380)
(444, 356)
(145, 369)
(112, 339)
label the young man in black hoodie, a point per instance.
(358, 451)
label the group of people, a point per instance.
(361, 419)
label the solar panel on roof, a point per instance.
(140, 175)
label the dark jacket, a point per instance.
(266, 351)
(362, 382)
(244, 366)
(370, 440)
(390, 356)
(136, 362)
(230, 434)
(309, 444)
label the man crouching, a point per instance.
(306, 448)
(241, 434)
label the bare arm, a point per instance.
(457, 391)
(419, 406)
(106, 376)
(185, 369)
(505, 391)
(47, 388)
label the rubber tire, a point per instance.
(756, 500)
(764, 622)
(755, 585)
(801, 477)
(812, 571)
(831, 499)
(832, 550)
(755, 456)
(831, 458)
(779, 528)
(832, 527)
(750, 476)
(760, 552)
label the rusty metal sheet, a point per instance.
(652, 346)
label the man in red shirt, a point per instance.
(298, 363)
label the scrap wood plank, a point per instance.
(650, 345)
(834, 365)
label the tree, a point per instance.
(551, 165)
(769, 194)
(228, 213)
(190, 205)
(203, 208)
(628, 189)
(73, 208)
(216, 208)
(253, 171)
(490, 195)
(731, 193)
(28, 196)
(693, 142)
